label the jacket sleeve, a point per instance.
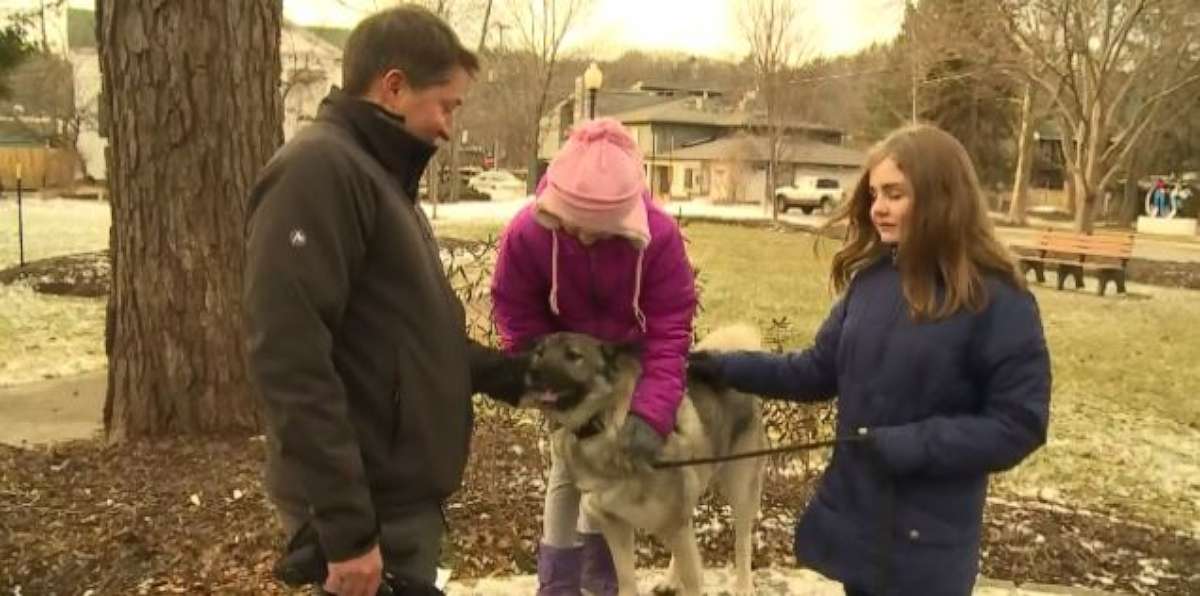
(1013, 367)
(496, 374)
(304, 240)
(668, 301)
(807, 375)
(520, 298)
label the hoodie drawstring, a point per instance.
(554, 272)
(637, 293)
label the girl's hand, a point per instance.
(704, 367)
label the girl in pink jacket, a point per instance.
(593, 254)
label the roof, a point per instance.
(614, 103)
(81, 28)
(678, 111)
(22, 134)
(694, 111)
(677, 89)
(754, 148)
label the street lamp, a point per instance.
(592, 80)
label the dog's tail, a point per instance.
(732, 337)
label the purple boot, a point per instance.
(599, 573)
(559, 570)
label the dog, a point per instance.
(584, 386)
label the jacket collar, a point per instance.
(382, 135)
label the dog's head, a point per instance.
(574, 377)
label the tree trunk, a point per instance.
(433, 177)
(1025, 154)
(1085, 204)
(191, 109)
(532, 178)
(1131, 202)
(455, 148)
(1069, 190)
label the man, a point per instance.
(357, 340)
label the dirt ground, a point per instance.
(188, 517)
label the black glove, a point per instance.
(705, 367)
(496, 374)
(640, 441)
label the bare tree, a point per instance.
(1025, 155)
(455, 136)
(1107, 68)
(771, 29)
(540, 26)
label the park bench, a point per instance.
(1071, 253)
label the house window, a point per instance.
(687, 178)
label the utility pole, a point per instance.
(912, 41)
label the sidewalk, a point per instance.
(1156, 248)
(53, 411)
(767, 582)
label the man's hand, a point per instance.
(359, 576)
(640, 441)
(498, 375)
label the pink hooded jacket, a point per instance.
(600, 290)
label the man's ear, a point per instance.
(395, 82)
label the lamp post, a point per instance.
(592, 80)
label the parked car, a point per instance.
(497, 183)
(810, 193)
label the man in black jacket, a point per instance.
(357, 341)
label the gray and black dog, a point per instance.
(584, 386)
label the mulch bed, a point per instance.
(189, 516)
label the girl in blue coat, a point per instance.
(936, 354)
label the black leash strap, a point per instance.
(793, 448)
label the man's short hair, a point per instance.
(408, 38)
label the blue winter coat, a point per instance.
(946, 403)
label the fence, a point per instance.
(41, 167)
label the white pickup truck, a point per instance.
(810, 193)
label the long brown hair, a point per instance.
(948, 240)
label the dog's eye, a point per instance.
(574, 356)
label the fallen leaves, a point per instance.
(189, 517)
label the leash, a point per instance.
(793, 448)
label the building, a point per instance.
(699, 144)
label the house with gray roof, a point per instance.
(698, 143)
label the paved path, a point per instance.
(54, 410)
(768, 582)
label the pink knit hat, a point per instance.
(596, 183)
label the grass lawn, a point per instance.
(49, 336)
(1125, 426)
(1125, 420)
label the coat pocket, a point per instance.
(936, 514)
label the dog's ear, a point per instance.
(613, 352)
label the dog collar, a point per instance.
(591, 429)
